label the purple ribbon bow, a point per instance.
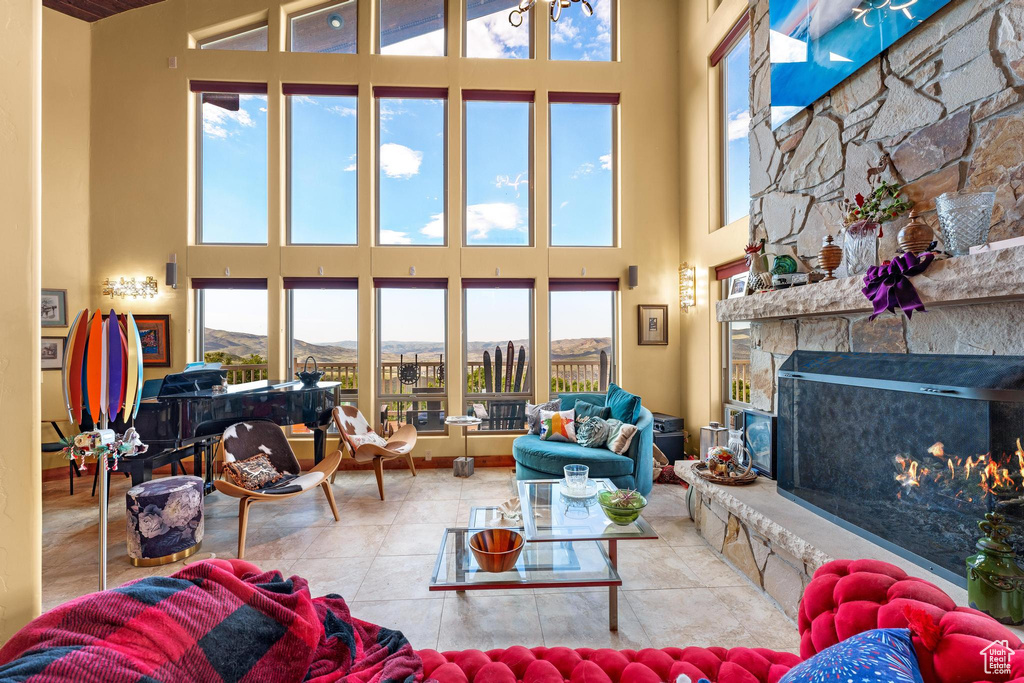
(887, 287)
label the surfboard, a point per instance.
(76, 351)
(123, 389)
(133, 387)
(69, 344)
(94, 366)
(114, 369)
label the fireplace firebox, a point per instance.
(909, 451)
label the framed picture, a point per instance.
(759, 438)
(652, 325)
(53, 309)
(738, 285)
(51, 353)
(155, 332)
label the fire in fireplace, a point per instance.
(909, 451)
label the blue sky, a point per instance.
(578, 37)
(737, 108)
(498, 172)
(581, 174)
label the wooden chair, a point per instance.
(365, 445)
(246, 439)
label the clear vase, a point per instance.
(860, 248)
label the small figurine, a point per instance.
(721, 460)
(757, 262)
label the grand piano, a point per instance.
(188, 415)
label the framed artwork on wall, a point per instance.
(155, 332)
(652, 327)
(53, 309)
(759, 438)
(51, 353)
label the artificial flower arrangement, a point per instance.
(885, 203)
(103, 442)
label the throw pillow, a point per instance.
(883, 655)
(533, 414)
(591, 432)
(557, 426)
(625, 406)
(620, 435)
(369, 437)
(252, 473)
(584, 409)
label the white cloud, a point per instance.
(303, 99)
(606, 161)
(492, 36)
(481, 219)
(563, 204)
(352, 166)
(739, 125)
(394, 237)
(435, 228)
(220, 123)
(586, 168)
(398, 161)
(342, 111)
(564, 31)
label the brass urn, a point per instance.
(829, 258)
(916, 236)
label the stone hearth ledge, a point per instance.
(973, 279)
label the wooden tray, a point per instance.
(748, 477)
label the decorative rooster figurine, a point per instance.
(758, 264)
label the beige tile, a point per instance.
(682, 617)
(398, 578)
(676, 531)
(435, 488)
(665, 504)
(581, 620)
(766, 623)
(428, 512)
(348, 541)
(394, 490)
(279, 543)
(418, 620)
(413, 539)
(485, 622)
(318, 515)
(502, 474)
(340, 576)
(645, 565)
(494, 491)
(363, 513)
(709, 569)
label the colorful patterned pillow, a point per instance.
(884, 655)
(252, 473)
(591, 432)
(558, 425)
(620, 434)
(533, 414)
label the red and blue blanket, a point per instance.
(221, 620)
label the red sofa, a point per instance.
(845, 597)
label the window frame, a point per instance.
(299, 14)
(289, 91)
(720, 146)
(198, 88)
(346, 284)
(532, 52)
(397, 93)
(201, 44)
(531, 372)
(200, 285)
(614, 32)
(377, 43)
(609, 286)
(381, 398)
(609, 99)
(726, 377)
(505, 96)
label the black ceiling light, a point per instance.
(335, 21)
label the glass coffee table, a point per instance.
(564, 546)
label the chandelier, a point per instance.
(516, 16)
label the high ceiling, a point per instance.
(91, 10)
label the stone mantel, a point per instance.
(977, 278)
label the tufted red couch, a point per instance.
(845, 597)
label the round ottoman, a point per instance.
(165, 520)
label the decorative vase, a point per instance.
(964, 219)
(916, 236)
(829, 258)
(860, 248)
(995, 582)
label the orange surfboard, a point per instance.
(76, 351)
(94, 363)
(69, 343)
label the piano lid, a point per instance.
(260, 387)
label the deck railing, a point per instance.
(739, 380)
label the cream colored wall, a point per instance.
(703, 243)
(142, 183)
(65, 193)
(20, 489)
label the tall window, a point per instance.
(735, 348)
(583, 165)
(332, 28)
(322, 164)
(577, 37)
(411, 165)
(412, 27)
(490, 35)
(499, 137)
(252, 39)
(232, 324)
(582, 325)
(498, 333)
(734, 67)
(232, 156)
(412, 317)
(323, 322)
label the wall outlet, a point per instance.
(429, 454)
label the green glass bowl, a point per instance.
(620, 516)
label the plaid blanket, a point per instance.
(221, 620)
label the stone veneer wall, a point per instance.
(947, 103)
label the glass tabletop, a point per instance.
(548, 515)
(540, 565)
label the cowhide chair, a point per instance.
(243, 440)
(366, 445)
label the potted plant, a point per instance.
(863, 219)
(621, 506)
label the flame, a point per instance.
(937, 449)
(996, 477)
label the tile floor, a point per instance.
(380, 556)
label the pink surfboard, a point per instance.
(76, 351)
(94, 367)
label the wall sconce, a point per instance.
(687, 286)
(145, 289)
